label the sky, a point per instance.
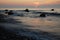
(29, 3)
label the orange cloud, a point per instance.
(16, 2)
(29, 2)
(47, 2)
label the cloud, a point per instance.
(29, 3)
(50, 6)
(16, 6)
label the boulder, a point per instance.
(6, 11)
(42, 15)
(52, 9)
(10, 12)
(26, 10)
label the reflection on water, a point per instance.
(51, 24)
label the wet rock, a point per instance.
(10, 12)
(52, 9)
(26, 10)
(6, 11)
(42, 15)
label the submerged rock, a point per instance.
(42, 15)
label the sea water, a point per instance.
(50, 23)
(31, 20)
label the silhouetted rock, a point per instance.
(10, 12)
(52, 9)
(42, 15)
(26, 10)
(6, 11)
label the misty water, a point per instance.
(34, 23)
(50, 23)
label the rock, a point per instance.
(26, 10)
(52, 9)
(42, 15)
(10, 12)
(6, 11)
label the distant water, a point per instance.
(49, 23)
(31, 20)
(38, 9)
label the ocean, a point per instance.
(31, 20)
(50, 23)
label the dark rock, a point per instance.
(10, 12)
(42, 15)
(52, 9)
(6, 11)
(26, 10)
